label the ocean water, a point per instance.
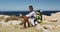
(13, 12)
(48, 13)
(25, 12)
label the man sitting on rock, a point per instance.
(29, 18)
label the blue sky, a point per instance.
(24, 4)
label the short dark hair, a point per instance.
(30, 6)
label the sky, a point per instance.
(23, 5)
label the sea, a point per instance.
(16, 13)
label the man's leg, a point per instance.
(28, 23)
(35, 22)
(32, 22)
(24, 24)
(25, 21)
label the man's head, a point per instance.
(31, 8)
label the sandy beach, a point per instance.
(12, 24)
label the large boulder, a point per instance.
(11, 18)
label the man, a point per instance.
(31, 15)
(29, 18)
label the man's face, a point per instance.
(31, 9)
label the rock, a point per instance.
(6, 16)
(54, 16)
(2, 15)
(11, 22)
(15, 22)
(4, 23)
(38, 27)
(48, 27)
(11, 18)
(58, 26)
(46, 21)
(53, 20)
(46, 31)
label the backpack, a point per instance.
(38, 16)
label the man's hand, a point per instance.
(25, 17)
(21, 16)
